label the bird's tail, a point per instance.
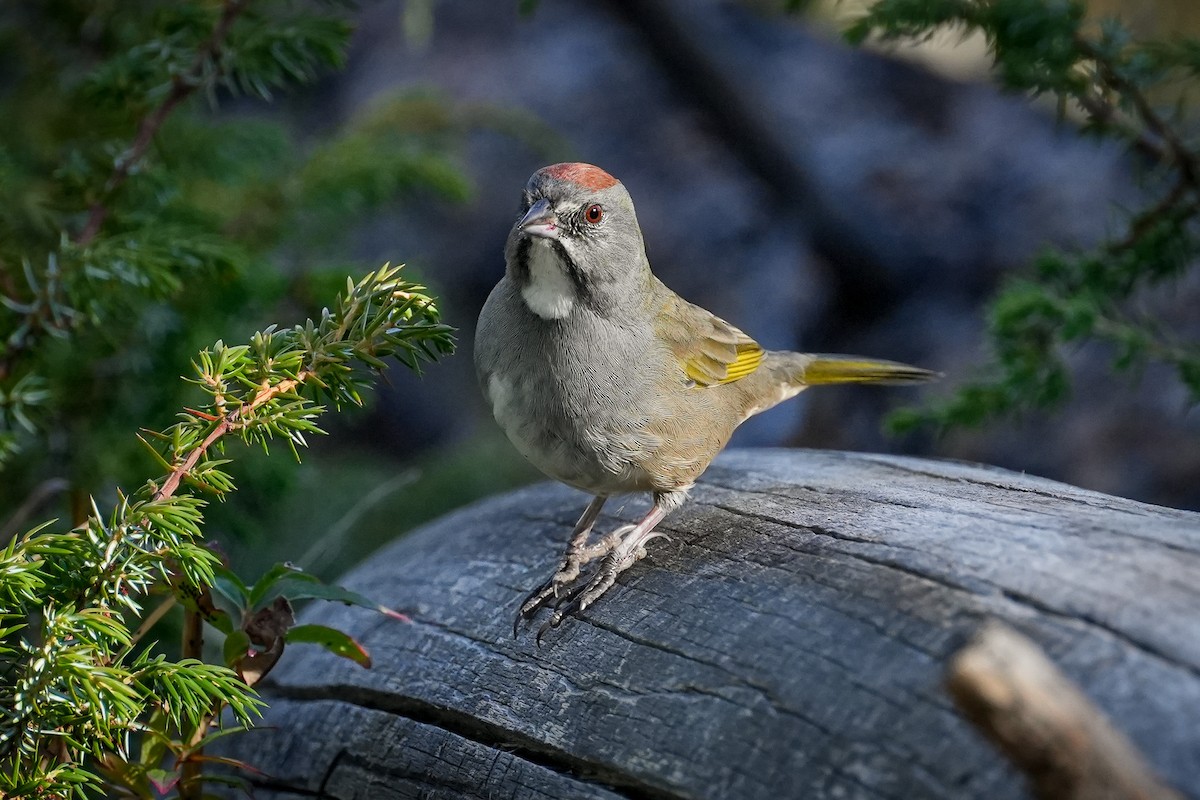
(820, 369)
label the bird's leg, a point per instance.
(631, 548)
(575, 556)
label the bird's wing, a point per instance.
(710, 350)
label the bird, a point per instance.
(608, 381)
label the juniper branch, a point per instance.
(228, 423)
(182, 87)
(41, 315)
(1074, 297)
(82, 583)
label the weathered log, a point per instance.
(788, 641)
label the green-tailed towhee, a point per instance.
(610, 382)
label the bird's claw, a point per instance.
(568, 572)
(530, 605)
(568, 605)
(583, 595)
(545, 593)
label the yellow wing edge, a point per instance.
(749, 357)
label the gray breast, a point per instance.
(566, 394)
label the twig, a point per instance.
(1103, 111)
(190, 786)
(228, 423)
(1007, 687)
(182, 87)
(1145, 220)
(1180, 155)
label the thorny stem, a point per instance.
(190, 783)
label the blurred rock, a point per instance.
(817, 196)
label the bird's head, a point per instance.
(577, 241)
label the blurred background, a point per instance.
(820, 197)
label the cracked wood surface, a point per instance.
(788, 641)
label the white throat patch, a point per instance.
(549, 293)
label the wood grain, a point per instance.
(788, 641)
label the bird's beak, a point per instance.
(540, 220)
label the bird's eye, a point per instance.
(594, 213)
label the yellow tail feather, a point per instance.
(826, 369)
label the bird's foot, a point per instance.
(558, 587)
(583, 595)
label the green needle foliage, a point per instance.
(1132, 90)
(74, 679)
(136, 226)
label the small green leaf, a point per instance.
(164, 780)
(263, 586)
(230, 586)
(154, 741)
(333, 640)
(237, 644)
(308, 587)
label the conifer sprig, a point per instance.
(1120, 84)
(72, 682)
(97, 224)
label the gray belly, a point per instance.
(596, 446)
